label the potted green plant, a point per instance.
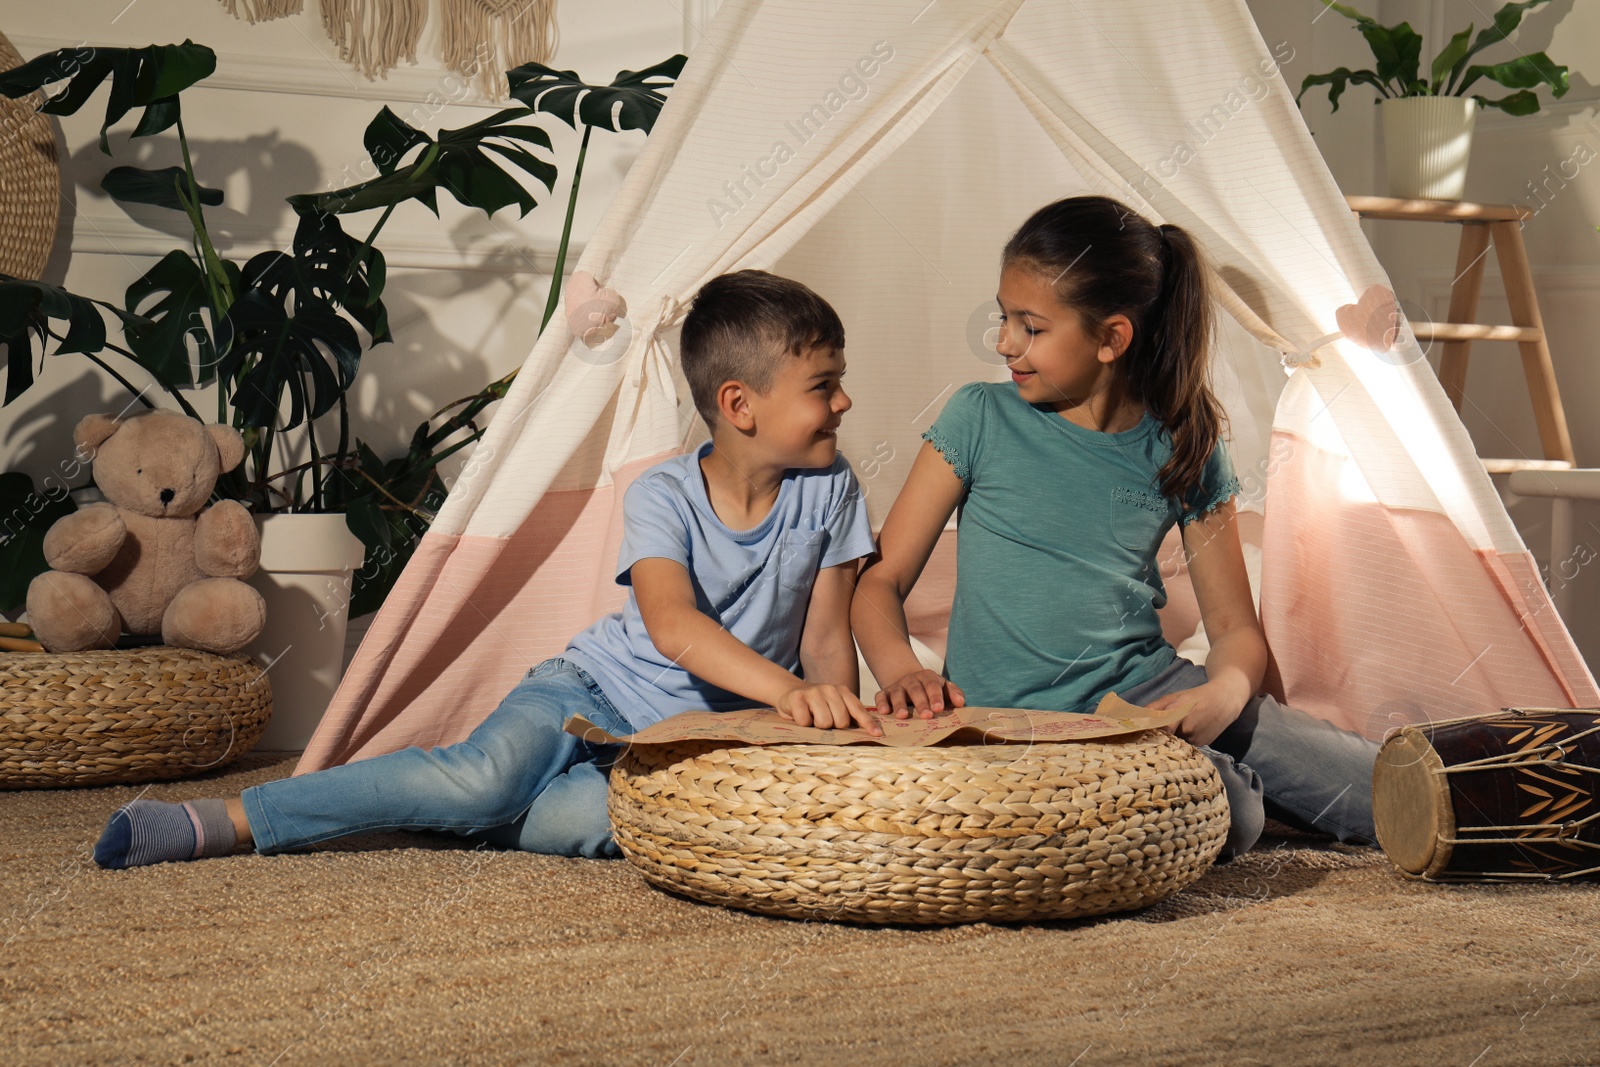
(281, 336)
(1428, 121)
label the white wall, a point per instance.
(284, 115)
(1322, 42)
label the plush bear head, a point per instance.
(158, 463)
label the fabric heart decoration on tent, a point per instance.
(592, 310)
(1373, 322)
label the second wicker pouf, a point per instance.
(929, 835)
(140, 715)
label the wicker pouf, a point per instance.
(94, 718)
(947, 834)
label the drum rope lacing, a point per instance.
(1551, 754)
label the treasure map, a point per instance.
(764, 726)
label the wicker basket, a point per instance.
(30, 180)
(947, 834)
(94, 718)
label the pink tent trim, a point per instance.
(1364, 660)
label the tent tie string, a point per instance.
(1375, 322)
(1306, 356)
(670, 314)
(593, 310)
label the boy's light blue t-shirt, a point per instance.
(1057, 583)
(756, 583)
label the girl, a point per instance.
(1067, 479)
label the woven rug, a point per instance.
(413, 947)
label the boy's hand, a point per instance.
(1215, 708)
(921, 691)
(827, 707)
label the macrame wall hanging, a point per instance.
(478, 39)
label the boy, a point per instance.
(741, 561)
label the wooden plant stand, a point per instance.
(1481, 223)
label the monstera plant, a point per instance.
(283, 334)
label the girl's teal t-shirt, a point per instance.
(1057, 583)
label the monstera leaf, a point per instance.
(183, 312)
(631, 102)
(458, 161)
(389, 138)
(288, 332)
(289, 347)
(150, 77)
(25, 310)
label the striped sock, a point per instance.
(154, 831)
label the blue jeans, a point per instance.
(1279, 761)
(519, 781)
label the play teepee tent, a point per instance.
(881, 153)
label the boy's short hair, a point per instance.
(742, 324)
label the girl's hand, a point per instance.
(921, 691)
(1215, 708)
(827, 707)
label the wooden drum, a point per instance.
(1513, 795)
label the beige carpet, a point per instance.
(412, 948)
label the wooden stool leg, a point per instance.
(1470, 257)
(1536, 362)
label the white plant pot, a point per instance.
(1426, 143)
(306, 565)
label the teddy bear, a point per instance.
(153, 558)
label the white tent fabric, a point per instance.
(881, 153)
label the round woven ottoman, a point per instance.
(96, 718)
(943, 834)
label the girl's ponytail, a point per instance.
(1171, 371)
(1105, 259)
